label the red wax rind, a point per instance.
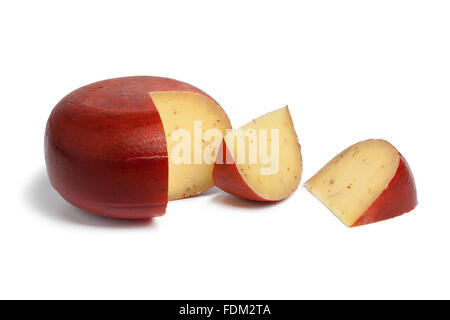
(398, 198)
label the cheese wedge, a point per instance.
(262, 160)
(368, 182)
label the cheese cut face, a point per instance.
(186, 117)
(272, 141)
(350, 183)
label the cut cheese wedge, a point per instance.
(262, 160)
(368, 182)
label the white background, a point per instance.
(349, 70)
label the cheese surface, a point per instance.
(180, 113)
(354, 179)
(277, 175)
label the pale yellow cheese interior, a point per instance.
(179, 111)
(271, 185)
(352, 180)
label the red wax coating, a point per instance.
(398, 198)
